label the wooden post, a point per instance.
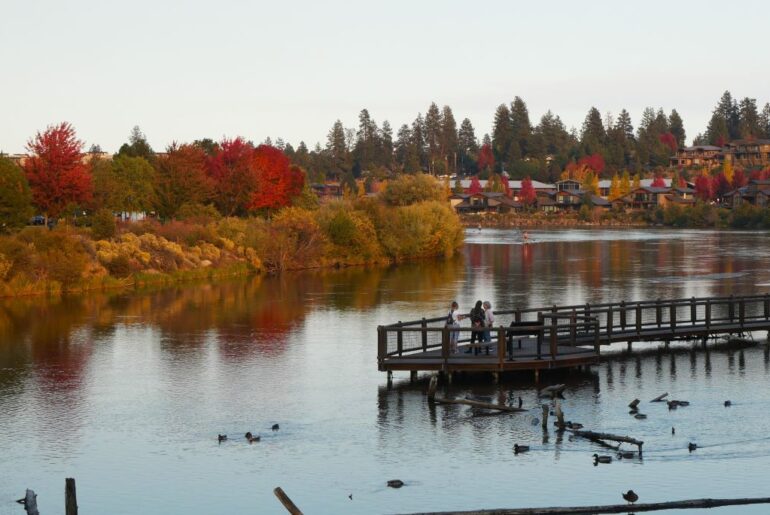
(731, 309)
(623, 315)
(658, 313)
(638, 318)
(412, 376)
(424, 325)
(693, 311)
(445, 345)
(70, 497)
(517, 316)
(559, 414)
(501, 350)
(390, 379)
(766, 306)
(554, 335)
(610, 316)
(540, 332)
(597, 344)
(573, 329)
(708, 313)
(672, 317)
(382, 346)
(400, 339)
(287, 503)
(742, 312)
(544, 422)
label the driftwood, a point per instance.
(559, 414)
(545, 416)
(688, 504)
(553, 390)
(634, 403)
(30, 502)
(660, 397)
(287, 503)
(479, 404)
(70, 497)
(594, 436)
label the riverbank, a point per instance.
(546, 220)
(37, 261)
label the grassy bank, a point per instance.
(346, 233)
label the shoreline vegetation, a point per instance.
(408, 221)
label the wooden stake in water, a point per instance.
(287, 503)
(70, 497)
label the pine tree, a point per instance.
(593, 135)
(520, 126)
(433, 135)
(449, 139)
(402, 147)
(764, 121)
(749, 124)
(418, 143)
(676, 127)
(367, 140)
(637, 182)
(386, 145)
(337, 146)
(502, 134)
(137, 146)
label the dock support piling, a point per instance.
(70, 497)
(412, 376)
(390, 379)
(537, 375)
(630, 346)
(545, 409)
(432, 389)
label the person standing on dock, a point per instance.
(489, 321)
(453, 321)
(477, 323)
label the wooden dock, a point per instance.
(566, 336)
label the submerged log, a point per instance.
(553, 390)
(688, 504)
(660, 397)
(287, 503)
(479, 404)
(559, 414)
(592, 435)
(634, 403)
(30, 502)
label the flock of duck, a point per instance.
(629, 496)
(250, 437)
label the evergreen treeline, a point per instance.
(435, 143)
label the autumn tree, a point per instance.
(625, 184)
(55, 171)
(658, 182)
(615, 188)
(181, 178)
(703, 187)
(527, 195)
(233, 176)
(475, 186)
(590, 183)
(486, 159)
(137, 146)
(277, 181)
(15, 196)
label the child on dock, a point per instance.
(453, 321)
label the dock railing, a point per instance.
(585, 325)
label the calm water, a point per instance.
(127, 392)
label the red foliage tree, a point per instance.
(506, 185)
(595, 162)
(475, 186)
(680, 181)
(704, 189)
(56, 173)
(669, 140)
(486, 158)
(658, 182)
(760, 175)
(234, 176)
(181, 178)
(277, 182)
(720, 186)
(527, 195)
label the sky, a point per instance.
(184, 70)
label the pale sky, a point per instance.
(183, 70)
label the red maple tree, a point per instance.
(527, 195)
(658, 182)
(506, 185)
(475, 186)
(669, 140)
(277, 182)
(486, 158)
(234, 176)
(739, 179)
(56, 173)
(720, 185)
(704, 188)
(595, 162)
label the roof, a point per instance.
(607, 183)
(737, 142)
(701, 147)
(516, 185)
(684, 190)
(600, 202)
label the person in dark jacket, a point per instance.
(477, 322)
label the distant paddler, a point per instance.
(525, 237)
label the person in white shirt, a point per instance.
(489, 321)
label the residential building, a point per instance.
(755, 193)
(748, 152)
(699, 155)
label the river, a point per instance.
(127, 391)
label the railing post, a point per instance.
(424, 326)
(400, 339)
(742, 311)
(708, 313)
(610, 316)
(597, 344)
(554, 336)
(382, 346)
(658, 313)
(445, 345)
(672, 316)
(693, 311)
(623, 315)
(731, 309)
(573, 329)
(638, 318)
(517, 316)
(539, 335)
(501, 351)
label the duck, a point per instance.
(728, 404)
(520, 448)
(275, 427)
(602, 459)
(692, 446)
(672, 405)
(640, 416)
(626, 455)
(221, 438)
(630, 496)
(395, 483)
(251, 438)
(673, 431)
(350, 496)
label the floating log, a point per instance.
(30, 502)
(660, 397)
(688, 504)
(592, 435)
(287, 503)
(479, 404)
(634, 403)
(559, 414)
(545, 417)
(70, 497)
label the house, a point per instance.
(755, 193)
(568, 199)
(748, 152)
(483, 202)
(645, 197)
(329, 190)
(698, 155)
(568, 185)
(515, 186)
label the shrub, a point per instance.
(197, 213)
(411, 189)
(103, 225)
(119, 266)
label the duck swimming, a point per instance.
(275, 427)
(221, 438)
(602, 459)
(251, 438)
(520, 448)
(691, 446)
(630, 496)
